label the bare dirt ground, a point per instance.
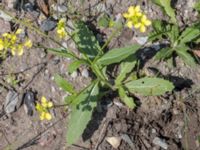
(171, 121)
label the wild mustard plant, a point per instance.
(12, 42)
(61, 29)
(136, 18)
(43, 109)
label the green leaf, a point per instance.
(61, 52)
(164, 53)
(173, 34)
(75, 64)
(186, 56)
(118, 54)
(161, 28)
(166, 5)
(125, 68)
(85, 40)
(149, 86)
(197, 6)
(81, 113)
(103, 21)
(127, 100)
(189, 34)
(64, 84)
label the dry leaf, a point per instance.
(196, 52)
(114, 141)
(43, 6)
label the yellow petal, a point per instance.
(13, 49)
(131, 10)
(43, 99)
(142, 28)
(20, 50)
(48, 116)
(137, 8)
(125, 15)
(19, 31)
(50, 104)
(129, 24)
(147, 22)
(1, 44)
(42, 116)
(144, 18)
(28, 43)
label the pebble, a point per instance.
(74, 74)
(5, 16)
(11, 102)
(48, 25)
(29, 101)
(160, 142)
(141, 40)
(59, 8)
(127, 139)
(43, 55)
(85, 73)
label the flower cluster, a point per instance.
(12, 42)
(61, 29)
(43, 109)
(136, 18)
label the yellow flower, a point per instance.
(133, 11)
(45, 115)
(45, 103)
(142, 25)
(61, 29)
(43, 109)
(28, 43)
(135, 18)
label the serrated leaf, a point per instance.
(161, 28)
(60, 52)
(81, 114)
(125, 68)
(149, 86)
(118, 54)
(75, 65)
(173, 34)
(164, 53)
(186, 56)
(85, 40)
(189, 34)
(166, 5)
(126, 99)
(65, 85)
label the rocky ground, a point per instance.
(171, 121)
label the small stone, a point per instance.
(114, 141)
(127, 139)
(28, 7)
(141, 40)
(59, 8)
(160, 142)
(43, 55)
(29, 101)
(85, 73)
(74, 74)
(11, 102)
(48, 25)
